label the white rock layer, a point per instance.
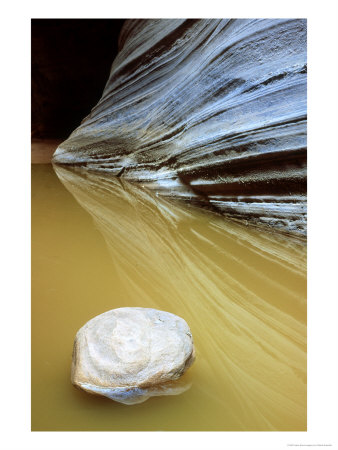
(131, 354)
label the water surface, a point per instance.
(100, 243)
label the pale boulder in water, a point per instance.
(131, 354)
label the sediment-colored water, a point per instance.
(100, 243)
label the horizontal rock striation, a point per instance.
(211, 111)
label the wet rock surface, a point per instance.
(131, 354)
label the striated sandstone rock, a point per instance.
(211, 111)
(131, 354)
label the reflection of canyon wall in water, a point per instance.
(213, 111)
(242, 293)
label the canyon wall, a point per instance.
(209, 111)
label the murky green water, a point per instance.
(99, 243)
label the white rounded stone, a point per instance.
(131, 354)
